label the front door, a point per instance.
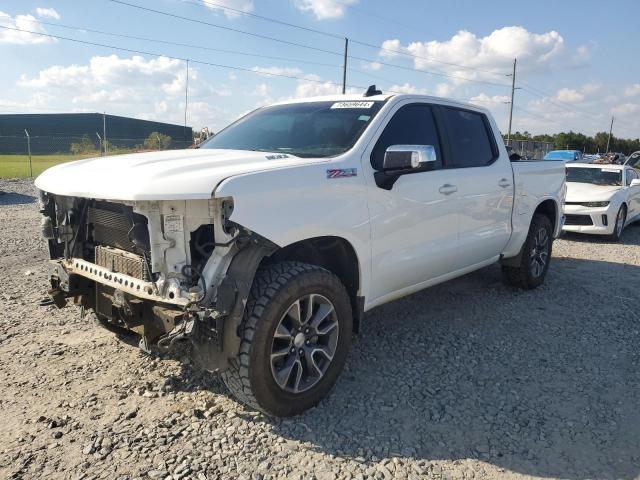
(414, 225)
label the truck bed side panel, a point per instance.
(535, 182)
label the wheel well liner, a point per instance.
(549, 209)
(336, 255)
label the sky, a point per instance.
(577, 60)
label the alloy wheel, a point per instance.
(620, 222)
(304, 343)
(540, 252)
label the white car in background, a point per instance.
(601, 199)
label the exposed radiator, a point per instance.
(110, 228)
(121, 261)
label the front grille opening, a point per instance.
(580, 220)
(115, 225)
(605, 220)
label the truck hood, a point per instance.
(587, 192)
(166, 175)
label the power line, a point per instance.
(200, 62)
(429, 72)
(223, 27)
(262, 17)
(273, 20)
(236, 52)
(179, 44)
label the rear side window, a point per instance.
(411, 125)
(469, 138)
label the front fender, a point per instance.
(290, 205)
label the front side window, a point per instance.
(410, 125)
(313, 129)
(469, 138)
(630, 176)
(595, 176)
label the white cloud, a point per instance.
(390, 48)
(22, 22)
(278, 71)
(325, 9)
(632, 90)
(261, 90)
(408, 88)
(314, 86)
(626, 108)
(444, 90)
(485, 100)
(494, 52)
(146, 88)
(569, 95)
(375, 66)
(47, 13)
(240, 5)
(581, 57)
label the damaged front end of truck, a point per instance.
(175, 270)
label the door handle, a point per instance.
(504, 183)
(448, 189)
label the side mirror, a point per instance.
(404, 158)
(635, 182)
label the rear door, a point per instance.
(484, 182)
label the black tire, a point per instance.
(530, 273)
(276, 288)
(617, 231)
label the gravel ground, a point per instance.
(469, 379)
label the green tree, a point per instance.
(157, 141)
(84, 147)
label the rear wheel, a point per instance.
(295, 339)
(535, 258)
(621, 218)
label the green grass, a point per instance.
(17, 166)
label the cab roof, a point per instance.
(359, 97)
(609, 166)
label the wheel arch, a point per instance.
(335, 254)
(550, 209)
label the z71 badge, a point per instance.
(342, 172)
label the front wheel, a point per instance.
(621, 219)
(535, 258)
(295, 338)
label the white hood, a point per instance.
(167, 175)
(588, 192)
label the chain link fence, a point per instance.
(531, 149)
(28, 155)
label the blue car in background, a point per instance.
(564, 155)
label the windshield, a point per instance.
(560, 155)
(634, 160)
(314, 129)
(596, 176)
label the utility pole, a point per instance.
(29, 150)
(344, 65)
(186, 99)
(104, 132)
(513, 90)
(609, 139)
(100, 142)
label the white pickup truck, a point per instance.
(265, 246)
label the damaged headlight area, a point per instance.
(162, 269)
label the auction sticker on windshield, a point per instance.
(355, 104)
